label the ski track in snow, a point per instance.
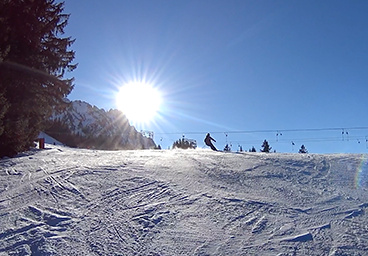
(63, 201)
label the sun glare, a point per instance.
(138, 101)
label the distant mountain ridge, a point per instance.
(83, 125)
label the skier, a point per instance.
(208, 141)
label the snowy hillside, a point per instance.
(63, 201)
(95, 127)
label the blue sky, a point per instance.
(296, 68)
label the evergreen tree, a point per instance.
(33, 61)
(265, 147)
(227, 148)
(184, 144)
(4, 106)
(253, 149)
(303, 149)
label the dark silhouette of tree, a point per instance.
(33, 61)
(185, 144)
(4, 106)
(303, 149)
(227, 148)
(265, 147)
(253, 149)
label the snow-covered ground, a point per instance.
(63, 201)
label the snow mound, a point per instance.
(63, 201)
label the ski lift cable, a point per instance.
(271, 131)
(302, 140)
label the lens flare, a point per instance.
(361, 176)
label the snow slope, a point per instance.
(63, 201)
(49, 139)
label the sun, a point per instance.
(139, 101)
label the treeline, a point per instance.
(119, 140)
(192, 144)
(185, 143)
(266, 148)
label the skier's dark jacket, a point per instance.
(208, 139)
